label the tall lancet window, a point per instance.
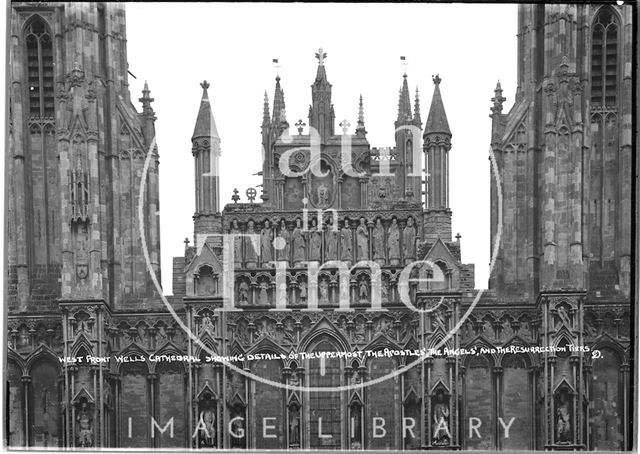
(40, 69)
(604, 60)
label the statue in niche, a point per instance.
(83, 326)
(294, 425)
(281, 294)
(384, 289)
(438, 321)
(324, 290)
(294, 380)
(563, 421)
(237, 244)
(299, 244)
(363, 290)
(441, 432)
(263, 298)
(359, 334)
(409, 241)
(356, 414)
(315, 242)
(355, 378)
(243, 292)
(346, 243)
(250, 254)
(266, 243)
(378, 242)
(331, 240)
(362, 241)
(84, 423)
(303, 291)
(283, 233)
(207, 324)
(563, 317)
(207, 428)
(394, 242)
(323, 195)
(107, 395)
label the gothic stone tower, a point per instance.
(564, 157)
(77, 150)
(289, 298)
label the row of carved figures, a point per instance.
(346, 241)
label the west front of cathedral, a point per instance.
(331, 311)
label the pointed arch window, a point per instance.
(40, 84)
(604, 59)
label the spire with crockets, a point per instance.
(321, 115)
(206, 152)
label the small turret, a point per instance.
(436, 146)
(321, 114)
(206, 152)
(148, 115)
(437, 121)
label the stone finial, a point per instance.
(321, 55)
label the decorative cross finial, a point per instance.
(458, 236)
(436, 79)
(344, 124)
(251, 194)
(204, 84)
(321, 55)
(300, 125)
(186, 242)
(235, 197)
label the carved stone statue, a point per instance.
(294, 426)
(438, 321)
(409, 241)
(563, 422)
(294, 380)
(332, 236)
(315, 242)
(324, 291)
(250, 254)
(266, 244)
(264, 296)
(393, 242)
(207, 428)
(283, 233)
(441, 433)
(563, 317)
(299, 244)
(363, 291)
(378, 242)
(346, 248)
(243, 292)
(323, 195)
(85, 427)
(303, 291)
(362, 241)
(207, 324)
(237, 244)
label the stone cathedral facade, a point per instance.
(323, 262)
